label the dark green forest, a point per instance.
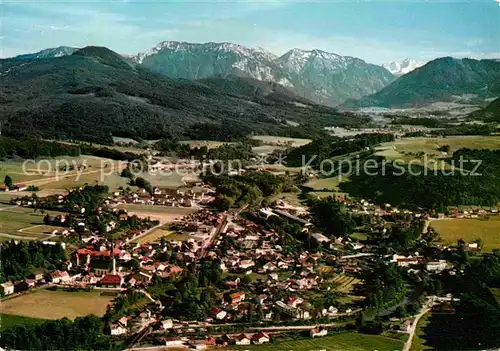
(431, 189)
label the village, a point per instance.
(259, 278)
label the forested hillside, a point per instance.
(95, 93)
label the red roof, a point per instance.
(95, 253)
(237, 295)
(260, 335)
(111, 279)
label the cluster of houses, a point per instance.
(180, 197)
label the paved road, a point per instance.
(413, 328)
(19, 237)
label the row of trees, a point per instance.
(32, 148)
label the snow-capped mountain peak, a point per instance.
(48, 53)
(399, 68)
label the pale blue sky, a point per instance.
(376, 31)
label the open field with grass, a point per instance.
(331, 183)
(155, 235)
(401, 148)
(50, 304)
(359, 236)
(451, 230)
(337, 342)
(168, 180)
(9, 320)
(50, 173)
(253, 276)
(281, 141)
(419, 343)
(19, 222)
(164, 214)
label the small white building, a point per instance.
(8, 288)
(117, 329)
(317, 332)
(242, 339)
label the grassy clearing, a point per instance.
(399, 149)
(9, 321)
(488, 230)
(281, 141)
(50, 304)
(253, 276)
(331, 183)
(359, 236)
(47, 174)
(418, 343)
(155, 235)
(164, 214)
(22, 222)
(337, 342)
(165, 180)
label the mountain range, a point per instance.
(438, 80)
(315, 75)
(323, 77)
(95, 93)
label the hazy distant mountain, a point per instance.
(95, 93)
(438, 80)
(317, 75)
(48, 53)
(399, 68)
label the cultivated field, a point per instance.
(337, 342)
(164, 214)
(49, 304)
(345, 283)
(48, 174)
(400, 149)
(451, 230)
(23, 223)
